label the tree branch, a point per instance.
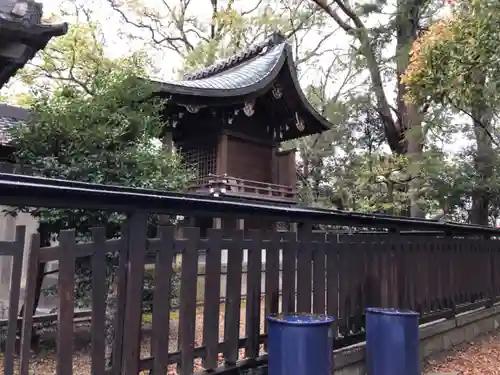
(366, 48)
(333, 14)
(171, 41)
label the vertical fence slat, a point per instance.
(133, 308)
(253, 292)
(410, 277)
(332, 276)
(494, 268)
(449, 265)
(211, 310)
(121, 299)
(358, 268)
(290, 245)
(14, 296)
(417, 261)
(66, 288)
(161, 299)
(233, 297)
(98, 301)
(344, 284)
(434, 275)
(272, 287)
(491, 259)
(319, 273)
(442, 274)
(304, 269)
(187, 310)
(454, 272)
(29, 303)
(371, 282)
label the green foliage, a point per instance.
(456, 61)
(79, 59)
(107, 137)
(148, 288)
(93, 120)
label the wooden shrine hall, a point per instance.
(228, 121)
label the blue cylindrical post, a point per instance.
(392, 342)
(300, 344)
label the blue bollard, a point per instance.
(300, 344)
(392, 342)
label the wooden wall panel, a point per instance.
(249, 160)
(286, 172)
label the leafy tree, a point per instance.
(93, 120)
(402, 121)
(233, 25)
(455, 64)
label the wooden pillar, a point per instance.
(222, 155)
(275, 167)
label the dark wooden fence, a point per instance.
(438, 274)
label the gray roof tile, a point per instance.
(10, 117)
(243, 75)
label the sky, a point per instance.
(169, 61)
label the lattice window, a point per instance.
(201, 156)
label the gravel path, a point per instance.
(478, 357)
(44, 363)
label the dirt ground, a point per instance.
(478, 357)
(44, 362)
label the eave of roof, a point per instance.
(26, 32)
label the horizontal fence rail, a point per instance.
(225, 281)
(17, 190)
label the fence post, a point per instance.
(14, 294)
(29, 303)
(137, 228)
(491, 259)
(66, 290)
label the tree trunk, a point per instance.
(484, 159)
(404, 133)
(410, 120)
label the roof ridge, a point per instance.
(237, 59)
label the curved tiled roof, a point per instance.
(243, 75)
(238, 75)
(251, 72)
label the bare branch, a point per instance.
(179, 43)
(253, 9)
(314, 52)
(333, 14)
(350, 13)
